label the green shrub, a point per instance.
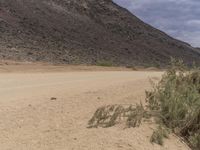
(195, 140)
(175, 100)
(104, 63)
(158, 135)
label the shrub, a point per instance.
(175, 100)
(195, 140)
(159, 135)
(104, 63)
(110, 115)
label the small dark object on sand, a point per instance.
(53, 98)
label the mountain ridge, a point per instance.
(84, 32)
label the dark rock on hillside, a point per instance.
(83, 31)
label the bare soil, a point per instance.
(48, 109)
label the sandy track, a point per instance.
(30, 120)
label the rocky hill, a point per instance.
(83, 32)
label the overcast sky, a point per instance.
(178, 18)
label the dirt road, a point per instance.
(30, 119)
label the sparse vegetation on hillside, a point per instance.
(83, 32)
(104, 63)
(174, 102)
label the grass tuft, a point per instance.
(176, 102)
(111, 115)
(104, 63)
(158, 135)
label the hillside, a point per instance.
(83, 32)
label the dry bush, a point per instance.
(158, 135)
(176, 101)
(111, 115)
(104, 63)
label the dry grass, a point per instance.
(158, 135)
(111, 115)
(104, 63)
(176, 102)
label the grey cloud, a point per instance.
(179, 18)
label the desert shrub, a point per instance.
(158, 135)
(104, 63)
(110, 115)
(195, 140)
(175, 100)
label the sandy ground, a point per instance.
(30, 120)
